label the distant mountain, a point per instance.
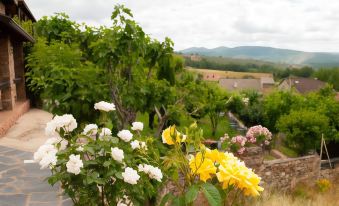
(286, 56)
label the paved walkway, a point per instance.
(24, 184)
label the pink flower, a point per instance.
(254, 132)
(241, 150)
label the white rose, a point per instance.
(105, 132)
(130, 176)
(80, 149)
(125, 135)
(65, 121)
(155, 173)
(48, 160)
(90, 130)
(44, 150)
(137, 126)
(57, 140)
(74, 164)
(104, 106)
(117, 154)
(135, 144)
(152, 172)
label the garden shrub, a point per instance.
(303, 129)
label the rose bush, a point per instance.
(96, 167)
(220, 176)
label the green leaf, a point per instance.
(212, 194)
(179, 201)
(168, 197)
(119, 175)
(191, 194)
(114, 140)
(90, 150)
(107, 163)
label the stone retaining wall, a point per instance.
(282, 173)
(285, 173)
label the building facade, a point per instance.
(12, 67)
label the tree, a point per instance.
(277, 104)
(216, 99)
(303, 129)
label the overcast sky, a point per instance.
(308, 25)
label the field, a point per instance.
(229, 74)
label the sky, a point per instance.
(307, 25)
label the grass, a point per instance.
(223, 126)
(287, 151)
(269, 157)
(304, 194)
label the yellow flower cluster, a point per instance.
(171, 135)
(229, 170)
(323, 185)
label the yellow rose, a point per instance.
(204, 167)
(169, 134)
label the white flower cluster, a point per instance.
(138, 145)
(66, 121)
(153, 172)
(74, 164)
(125, 135)
(130, 176)
(58, 142)
(117, 154)
(105, 132)
(137, 126)
(104, 106)
(46, 156)
(90, 130)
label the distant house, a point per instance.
(262, 85)
(12, 69)
(301, 84)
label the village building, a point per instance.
(301, 85)
(262, 85)
(12, 69)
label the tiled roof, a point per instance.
(305, 85)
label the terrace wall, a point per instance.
(283, 173)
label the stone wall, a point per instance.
(253, 158)
(285, 173)
(282, 173)
(330, 174)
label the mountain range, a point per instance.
(277, 55)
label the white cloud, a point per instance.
(293, 24)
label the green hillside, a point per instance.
(285, 56)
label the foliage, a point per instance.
(303, 129)
(63, 81)
(94, 167)
(26, 25)
(58, 27)
(277, 104)
(330, 75)
(216, 100)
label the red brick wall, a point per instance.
(8, 96)
(2, 8)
